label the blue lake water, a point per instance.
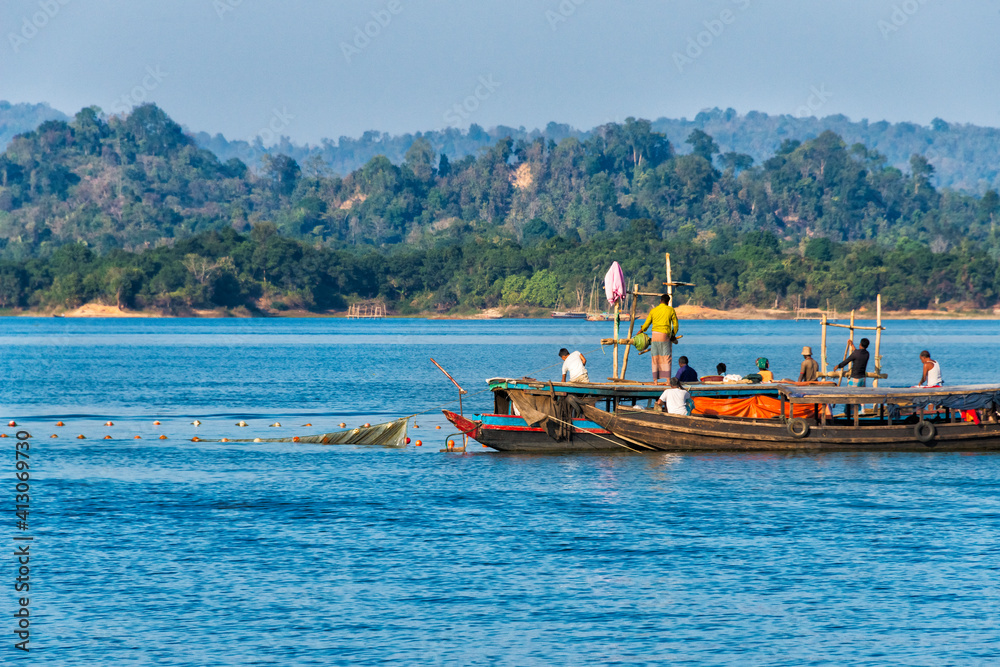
(172, 552)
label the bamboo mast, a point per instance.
(847, 348)
(614, 369)
(631, 327)
(670, 280)
(823, 346)
(878, 338)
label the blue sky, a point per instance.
(311, 69)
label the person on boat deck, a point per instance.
(684, 372)
(859, 368)
(676, 399)
(720, 374)
(574, 366)
(859, 363)
(663, 319)
(810, 368)
(932, 371)
(763, 369)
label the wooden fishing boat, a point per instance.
(534, 416)
(569, 315)
(945, 419)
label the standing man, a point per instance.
(859, 364)
(859, 368)
(810, 368)
(675, 399)
(574, 366)
(665, 326)
(932, 371)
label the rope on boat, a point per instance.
(602, 437)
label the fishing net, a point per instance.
(389, 434)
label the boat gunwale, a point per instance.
(823, 435)
(883, 395)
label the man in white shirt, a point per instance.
(676, 400)
(574, 366)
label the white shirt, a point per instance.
(934, 378)
(573, 366)
(676, 400)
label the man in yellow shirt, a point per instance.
(665, 326)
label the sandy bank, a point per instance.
(100, 310)
(684, 312)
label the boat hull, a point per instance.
(509, 433)
(667, 432)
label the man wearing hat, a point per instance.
(810, 368)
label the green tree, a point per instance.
(702, 145)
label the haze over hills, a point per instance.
(964, 156)
(18, 118)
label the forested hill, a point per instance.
(964, 156)
(130, 210)
(139, 181)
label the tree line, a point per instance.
(483, 266)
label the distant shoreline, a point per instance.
(684, 312)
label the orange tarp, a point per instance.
(755, 407)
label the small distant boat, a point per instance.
(569, 315)
(607, 317)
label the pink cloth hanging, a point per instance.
(614, 283)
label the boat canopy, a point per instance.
(959, 397)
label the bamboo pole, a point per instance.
(878, 337)
(461, 410)
(858, 327)
(823, 345)
(670, 281)
(631, 328)
(847, 348)
(614, 368)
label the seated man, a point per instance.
(676, 400)
(932, 371)
(684, 372)
(763, 369)
(720, 374)
(809, 372)
(574, 366)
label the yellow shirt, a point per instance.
(664, 320)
